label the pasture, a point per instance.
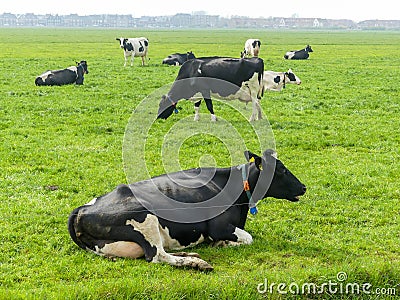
(338, 132)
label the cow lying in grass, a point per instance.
(182, 209)
(73, 74)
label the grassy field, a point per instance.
(338, 132)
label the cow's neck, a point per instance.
(249, 182)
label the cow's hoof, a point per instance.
(196, 118)
(214, 118)
(202, 265)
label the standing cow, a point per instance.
(177, 59)
(275, 81)
(223, 76)
(134, 47)
(251, 48)
(299, 54)
(73, 74)
(180, 210)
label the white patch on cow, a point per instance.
(45, 75)
(73, 68)
(121, 249)
(92, 202)
(156, 236)
(290, 54)
(243, 236)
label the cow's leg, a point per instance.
(210, 109)
(256, 110)
(132, 58)
(150, 229)
(230, 236)
(126, 58)
(143, 57)
(197, 110)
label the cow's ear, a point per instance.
(251, 157)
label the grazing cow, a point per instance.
(73, 74)
(134, 47)
(223, 76)
(181, 209)
(251, 48)
(177, 59)
(299, 54)
(275, 81)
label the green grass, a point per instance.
(338, 132)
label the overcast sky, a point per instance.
(356, 10)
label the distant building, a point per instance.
(195, 20)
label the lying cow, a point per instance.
(299, 54)
(223, 76)
(182, 209)
(134, 47)
(177, 59)
(251, 48)
(73, 74)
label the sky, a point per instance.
(356, 10)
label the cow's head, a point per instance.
(190, 55)
(83, 64)
(308, 49)
(274, 179)
(166, 107)
(122, 42)
(292, 78)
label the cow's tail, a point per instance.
(72, 223)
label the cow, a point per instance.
(275, 81)
(134, 47)
(299, 54)
(73, 74)
(182, 209)
(251, 48)
(177, 59)
(221, 75)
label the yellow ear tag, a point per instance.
(252, 159)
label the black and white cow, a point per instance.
(134, 47)
(299, 54)
(180, 210)
(251, 48)
(275, 81)
(219, 75)
(73, 74)
(177, 59)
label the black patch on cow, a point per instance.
(277, 79)
(127, 45)
(291, 76)
(146, 43)
(141, 48)
(255, 43)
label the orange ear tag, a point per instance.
(246, 185)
